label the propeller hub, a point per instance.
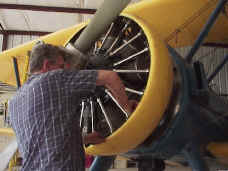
(99, 60)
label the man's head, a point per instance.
(46, 57)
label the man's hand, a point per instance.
(133, 104)
(93, 138)
(112, 81)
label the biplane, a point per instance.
(179, 114)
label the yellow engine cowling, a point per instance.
(150, 110)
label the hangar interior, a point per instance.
(22, 21)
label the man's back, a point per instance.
(45, 117)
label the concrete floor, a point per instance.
(171, 169)
(168, 169)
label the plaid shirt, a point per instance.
(45, 117)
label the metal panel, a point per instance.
(38, 20)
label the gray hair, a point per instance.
(42, 51)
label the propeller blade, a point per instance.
(104, 16)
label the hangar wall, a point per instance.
(14, 40)
(211, 57)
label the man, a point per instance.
(45, 111)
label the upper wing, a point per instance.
(21, 54)
(179, 22)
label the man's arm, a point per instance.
(93, 138)
(112, 82)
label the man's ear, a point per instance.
(46, 66)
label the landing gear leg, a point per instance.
(102, 163)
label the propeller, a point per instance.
(104, 16)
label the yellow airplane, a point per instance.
(174, 97)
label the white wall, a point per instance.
(15, 40)
(211, 57)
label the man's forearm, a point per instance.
(93, 138)
(85, 139)
(112, 81)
